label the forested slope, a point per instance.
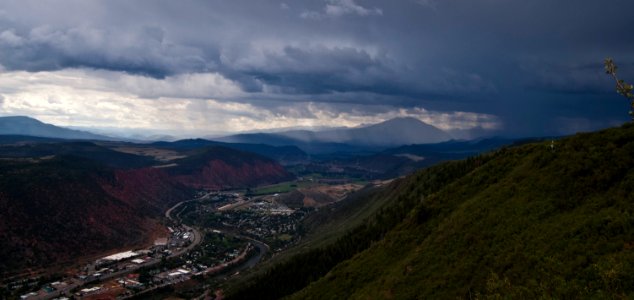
(521, 222)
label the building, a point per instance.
(116, 257)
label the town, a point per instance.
(214, 235)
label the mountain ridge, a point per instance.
(390, 133)
(282, 154)
(23, 125)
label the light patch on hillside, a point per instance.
(411, 157)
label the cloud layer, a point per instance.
(90, 98)
(211, 66)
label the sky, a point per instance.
(198, 68)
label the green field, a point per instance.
(279, 188)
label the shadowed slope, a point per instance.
(521, 222)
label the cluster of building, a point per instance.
(192, 268)
(269, 222)
(122, 286)
(261, 218)
(118, 257)
(114, 265)
(172, 276)
(271, 208)
(115, 274)
(50, 289)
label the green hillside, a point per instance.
(522, 222)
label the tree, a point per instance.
(622, 87)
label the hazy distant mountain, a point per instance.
(20, 125)
(398, 131)
(282, 154)
(394, 132)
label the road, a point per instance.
(262, 247)
(197, 238)
(249, 263)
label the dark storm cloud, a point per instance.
(141, 51)
(521, 60)
(322, 70)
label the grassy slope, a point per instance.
(335, 220)
(529, 222)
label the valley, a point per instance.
(70, 202)
(198, 218)
(246, 208)
(316, 149)
(209, 239)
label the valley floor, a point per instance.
(211, 239)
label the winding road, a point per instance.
(197, 239)
(262, 247)
(197, 236)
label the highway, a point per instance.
(197, 239)
(197, 236)
(77, 283)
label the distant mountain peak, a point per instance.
(390, 133)
(403, 121)
(400, 131)
(22, 119)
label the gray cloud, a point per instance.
(489, 57)
(344, 7)
(338, 8)
(143, 51)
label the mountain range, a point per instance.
(365, 139)
(394, 132)
(362, 152)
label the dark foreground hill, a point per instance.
(282, 154)
(29, 147)
(224, 168)
(58, 209)
(519, 223)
